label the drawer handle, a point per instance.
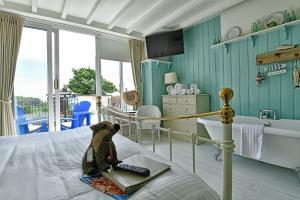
(186, 109)
(186, 101)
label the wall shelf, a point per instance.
(282, 27)
(157, 62)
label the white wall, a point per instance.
(244, 14)
(112, 49)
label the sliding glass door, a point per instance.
(58, 75)
(77, 77)
(55, 81)
(33, 110)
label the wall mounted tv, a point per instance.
(165, 44)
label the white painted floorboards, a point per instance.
(252, 180)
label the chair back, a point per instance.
(149, 111)
(81, 112)
(22, 128)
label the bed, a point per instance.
(48, 165)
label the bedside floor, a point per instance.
(252, 180)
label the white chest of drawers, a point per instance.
(183, 105)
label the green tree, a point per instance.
(84, 82)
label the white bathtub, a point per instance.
(281, 141)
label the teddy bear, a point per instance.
(101, 153)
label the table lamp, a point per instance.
(170, 79)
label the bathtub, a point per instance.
(281, 141)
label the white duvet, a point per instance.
(48, 165)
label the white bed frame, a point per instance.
(226, 144)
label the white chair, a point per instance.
(148, 111)
(115, 118)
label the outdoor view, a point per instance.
(77, 76)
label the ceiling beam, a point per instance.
(91, 15)
(54, 20)
(34, 6)
(65, 9)
(140, 18)
(174, 15)
(209, 12)
(120, 13)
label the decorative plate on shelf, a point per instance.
(233, 32)
(275, 19)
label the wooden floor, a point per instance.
(251, 179)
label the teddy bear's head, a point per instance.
(104, 131)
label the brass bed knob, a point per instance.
(226, 112)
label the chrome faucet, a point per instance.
(267, 114)
(267, 124)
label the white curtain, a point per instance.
(10, 36)
(137, 53)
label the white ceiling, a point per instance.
(136, 18)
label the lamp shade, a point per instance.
(170, 78)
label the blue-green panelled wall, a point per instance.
(213, 69)
(153, 85)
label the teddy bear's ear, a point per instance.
(116, 128)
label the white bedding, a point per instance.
(48, 165)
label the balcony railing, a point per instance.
(35, 108)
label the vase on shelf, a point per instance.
(253, 27)
(293, 15)
(286, 16)
(259, 25)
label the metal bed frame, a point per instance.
(226, 144)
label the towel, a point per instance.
(251, 140)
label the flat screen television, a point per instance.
(165, 44)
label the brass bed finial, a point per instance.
(226, 112)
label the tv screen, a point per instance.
(165, 44)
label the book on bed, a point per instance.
(121, 184)
(105, 186)
(129, 182)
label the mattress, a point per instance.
(47, 166)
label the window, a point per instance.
(47, 64)
(30, 86)
(116, 78)
(39, 105)
(77, 71)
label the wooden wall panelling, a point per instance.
(253, 89)
(195, 56)
(287, 91)
(227, 67)
(201, 75)
(244, 77)
(263, 89)
(295, 40)
(212, 66)
(274, 81)
(186, 57)
(206, 50)
(217, 34)
(213, 69)
(236, 76)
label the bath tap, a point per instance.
(266, 114)
(267, 124)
